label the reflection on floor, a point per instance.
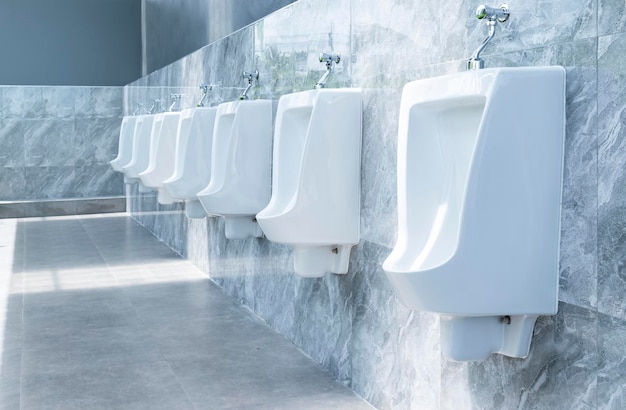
(96, 313)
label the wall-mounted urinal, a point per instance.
(316, 179)
(125, 145)
(240, 176)
(144, 126)
(192, 169)
(161, 156)
(480, 160)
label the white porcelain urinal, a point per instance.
(240, 184)
(144, 125)
(316, 179)
(125, 145)
(192, 169)
(161, 161)
(480, 162)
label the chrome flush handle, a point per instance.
(492, 16)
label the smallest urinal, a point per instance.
(125, 145)
(316, 179)
(161, 156)
(480, 162)
(144, 125)
(192, 169)
(240, 182)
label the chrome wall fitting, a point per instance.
(205, 94)
(176, 99)
(492, 16)
(250, 77)
(140, 109)
(156, 107)
(328, 59)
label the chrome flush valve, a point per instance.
(176, 100)
(250, 77)
(492, 16)
(156, 107)
(140, 109)
(205, 93)
(329, 59)
(490, 13)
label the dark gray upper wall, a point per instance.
(70, 42)
(175, 29)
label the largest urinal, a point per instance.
(480, 160)
(316, 179)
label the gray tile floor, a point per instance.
(95, 313)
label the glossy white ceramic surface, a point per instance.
(480, 161)
(125, 144)
(240, 184)
(192, 169)
(316, 179)
(146, 125)
(161, 162)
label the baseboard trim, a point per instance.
(61, 207)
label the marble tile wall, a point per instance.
(353, 324)
(55, 142)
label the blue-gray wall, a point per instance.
(70, 42)
(174, 29)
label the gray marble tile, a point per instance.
(560, 371)
(170, 225)
(288, 44)
(96, 181)
(49, 142)
(612, 367)
(611, 181)
(379, 221)
(59, 102)
(96, 140)
(23, 102)
(233, 54)
(534, 23)
(49, 182)
(12, 143)
(196, 250)
(611, 17)
(394, 352)
(12, 184)
(392, 38)
(98, 102)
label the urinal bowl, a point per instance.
(240, 179)
(144, 126)
(480, 160)
(192, 169)
(316, 179)
(125, 145)
(161, 159)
